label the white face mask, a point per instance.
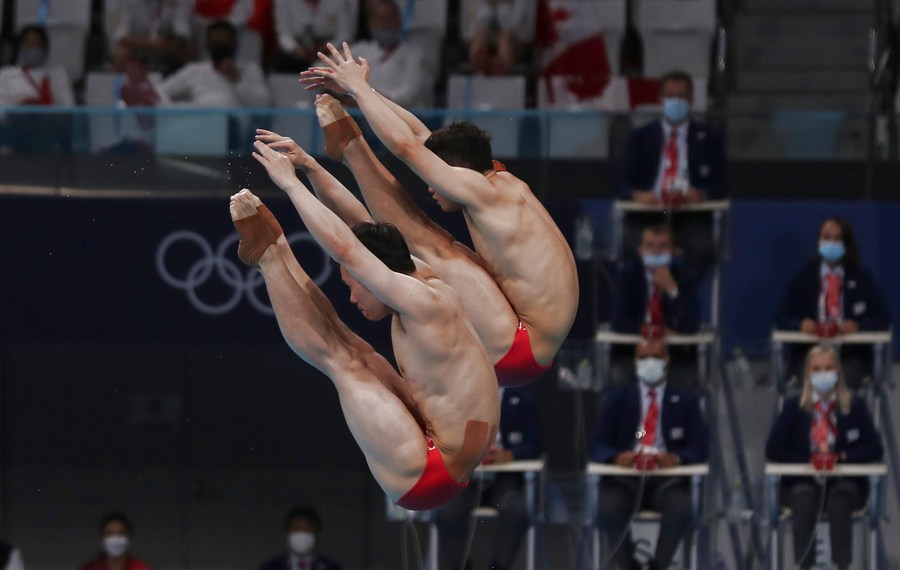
(824, 382)
(651, 370)
(115, 544)
(301, 542)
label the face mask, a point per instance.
(301, 542)
(387, 38)
(659, 260)
(219, 53)
(32, 56)
(832, 250)
(115, 544)
(675, 109)
(824, 382)
(651, 370)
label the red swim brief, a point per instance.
(435, 487)
(518, 366)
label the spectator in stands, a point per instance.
(222, 81)
(834, 291)
(654, 290)
(398, 67)
(10, 557)
(302, 526)
(824, 419)
(637, 422)
(654, 296)
(305, 26)
(679, 157)
(116, 531)
(30, 81)
(155, 32)
(500, 33)
(518, 438)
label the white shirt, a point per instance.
(330, 20)
(15, 88)
(658, 441)
(200, 85)
(15, 561)
(518, 16)
(825, 271)
(148, 18)
(399, 74)
(681, 141)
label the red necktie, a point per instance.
(823, 426)
(654, 308)
(45, 91)
(651, 420)
(671, 171)
(833, 296)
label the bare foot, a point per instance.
(329, 109)
(257, 227)
(339, 127)
(243, 205)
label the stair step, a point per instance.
(766, 103)
(810, 5)
(801, 80)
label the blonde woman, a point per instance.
(824, 419)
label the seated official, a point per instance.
(648, 419)
(116, 531)
(825, 419)
(835, 294)
(654, 297)
(518, 438)
(675, 161)
(302, 526)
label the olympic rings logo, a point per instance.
(244, 282)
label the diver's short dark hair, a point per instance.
(305, 513)
(387, 243)
(462, 144)
(116, 517)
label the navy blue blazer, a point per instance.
(643, 155)
(683, 427)
(789, 440)
(520, 426)
(319, 563)
(630, 301)
(863, 302)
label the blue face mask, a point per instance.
(653, 260)
(824, 382)
(832, 250)
(675, 109)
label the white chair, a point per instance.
(110, 127)
(427, 28)
(677, 34)
(593, 479)
(300, 124)
(484, 94)
(67, 23)
(869, 517)
(57, 12)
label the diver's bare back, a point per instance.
(528, 256)
(446, 368)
